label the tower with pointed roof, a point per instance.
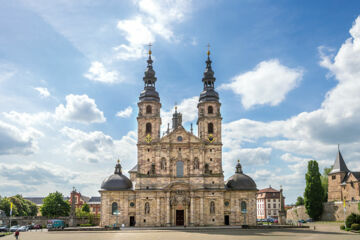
(343, 184)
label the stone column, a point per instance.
(202, 210)
(168, 209)
(192, 205)
(158, 211)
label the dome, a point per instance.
(117, 181)
(240, 181)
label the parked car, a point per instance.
(4, 229)
(271, 220)
(23, 228)
(309, 220)
(55, 223)
(14, 228)
(276, 221)
(302, 221)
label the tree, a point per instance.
(324, 182)
(314, 192)
(299, 201)
(85, 208)
(21, 206)
(55, 206)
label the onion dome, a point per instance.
(208, 93)
(117, 181)
(149, 93)
(240, 181)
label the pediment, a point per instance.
(180, 135)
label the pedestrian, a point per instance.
(17, 233)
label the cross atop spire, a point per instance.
(208, 52)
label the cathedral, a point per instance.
(178, 179)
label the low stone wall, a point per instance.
(43, 220)
(332, 211)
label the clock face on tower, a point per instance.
(148, 138)
(211, 138)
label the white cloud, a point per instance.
(17, 141)
(98, 147)
(268, 83)
(155, 18)
(80, 108)
(44, 92)
(7, 71)
(125, 113)
(98, 73)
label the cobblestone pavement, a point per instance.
(322, 231)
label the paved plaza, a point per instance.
(323, 231)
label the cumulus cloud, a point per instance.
(16, 141)
(268, 83)
(98, 147)
(44, 92)
(125, 113)
(98, 73)
(155, 19)
(80, 108)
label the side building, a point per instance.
(343, 184)
(268, 203)
(178, 179)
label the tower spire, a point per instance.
(149, 93)
(208, 93)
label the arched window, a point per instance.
(114, 208)
(147, 208)
(212, 207)
(243, 207)
(148, 109)
(210, 110)
(153, 168)
(148, 127)
(163, 164)
(210, 128)
(179, 169)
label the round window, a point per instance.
(132, 204)
(179, 138)
(226, 203)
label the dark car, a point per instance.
(302, 221)
(4, 229)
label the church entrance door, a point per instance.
(179, 217)
(132, 221)
(227, 220)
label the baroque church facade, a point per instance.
(178, 179)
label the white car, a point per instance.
(23, 229)
(14, 228)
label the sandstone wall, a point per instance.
(332, 211)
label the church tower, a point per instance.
(209, 117)
(148, 119)
(149, 122)
(209, 121)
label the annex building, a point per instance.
(178, 179)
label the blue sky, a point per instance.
(71, 72)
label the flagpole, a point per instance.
(11, 205)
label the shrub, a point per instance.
(355, 226)
(86, 225)
(352, 218)
(342, 227)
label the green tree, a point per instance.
(299, 201)
(21, 206)
(54, 205)
(324, 182)
(85, 208)
(314, 192)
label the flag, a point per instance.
(11, 205)
(344, 204)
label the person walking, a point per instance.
(17, 233)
